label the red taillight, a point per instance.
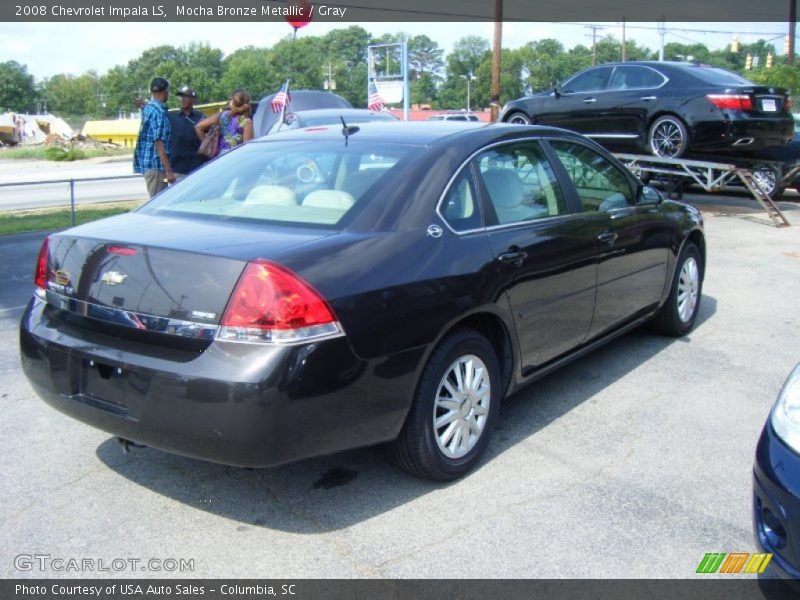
(270, 303)
(731, 101)
(122, 250)
(42, 271)
(789, 104)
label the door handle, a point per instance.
(515, 258)
(648, 98)
(589, 100)
(608, 237)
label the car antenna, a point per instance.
(348, 130)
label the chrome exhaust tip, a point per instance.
(744, 141)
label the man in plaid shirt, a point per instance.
(151, 157)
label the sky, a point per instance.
(74, 48)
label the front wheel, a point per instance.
(454, 411)
(668, 137)
(518, 118)
(679, 312)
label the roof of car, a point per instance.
(417, 132)
(670, 64)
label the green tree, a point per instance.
(424, 56)
(468, 53)
(346, 51)
(250, 68)
(17, 91)
(70, 96)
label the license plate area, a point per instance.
(769, 105)
(104, 382)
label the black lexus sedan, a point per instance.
(664, 108)
(313, 291)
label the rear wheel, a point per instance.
(679, 312)
(518, 118)
(768, 178)
(668, 137)
(454, 411)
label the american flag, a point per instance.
(374, 102)
(281, 98)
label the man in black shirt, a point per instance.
(184, 155)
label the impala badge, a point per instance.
(113, 277)
(62, 277)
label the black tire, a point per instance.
(671, 319)
(668, 137)
(768, 178)
(518, 118)
(416, 449)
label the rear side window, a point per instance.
(460, 207)
(520, 183)
(716, 76)
(600, 184)
(637, 78)
(293, 182)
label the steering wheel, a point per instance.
(309, 172)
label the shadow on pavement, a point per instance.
(335, 492)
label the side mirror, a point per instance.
(557, 90)
(649, 195)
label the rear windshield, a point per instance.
(304, 183)
(715, 76)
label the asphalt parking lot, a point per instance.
(632, 462)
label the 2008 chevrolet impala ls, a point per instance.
(337, 287)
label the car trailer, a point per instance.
(712, 177)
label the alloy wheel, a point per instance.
(667, 139)
(688, 286)
(461, 406)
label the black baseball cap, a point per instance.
(159, 84)
(187, 90)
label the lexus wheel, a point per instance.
(454, 411)
(668, 137)
(518, 118)
(768, 178)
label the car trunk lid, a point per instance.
(147, 274)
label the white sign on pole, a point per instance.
(391, 91)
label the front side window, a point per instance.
(520, 183)
(297, 182)
(600, 184)
(592, 80)
(636, 78)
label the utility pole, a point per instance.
(661, 31)
(792, 29)
(623, 39)
(496, 49)
(330, 84)
(594, 29)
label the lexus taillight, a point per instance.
(42, 269)
(272, 304)
(731, 101)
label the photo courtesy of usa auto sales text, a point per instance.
(134, 589)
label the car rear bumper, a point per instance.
(734, 134)
(240, 404)
(776, 503)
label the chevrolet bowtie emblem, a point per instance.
(113, 278)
